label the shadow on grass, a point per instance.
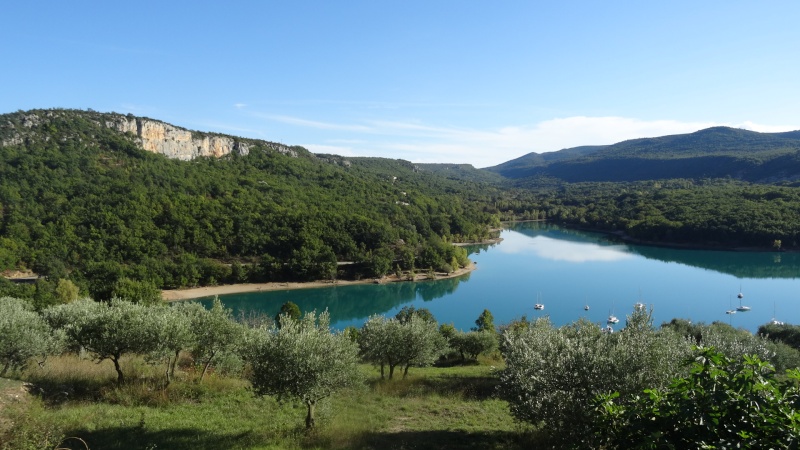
(448, 440)
(135, 437)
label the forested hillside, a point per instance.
(81, 201)
(717, 152)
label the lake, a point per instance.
(565, 270)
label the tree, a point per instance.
(393, 343)
(302, 360)
(66, 291)
(289, 311)
(215, 333)
(143, 292)
(485, 322)
(721, 403)
(552, 375)
(108, 330)
(23, 335)
(473, 343)
(407, 312)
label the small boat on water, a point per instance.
(612, 319)
(740, 296)
(638, 305)
(741, 307)
(538, 306)
(586, 307)
(730, 311)
(774, 321)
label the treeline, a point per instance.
(80, 201)
(712, 213)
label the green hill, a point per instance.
(717, 152)
(81, 198)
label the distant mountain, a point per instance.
(716, 152)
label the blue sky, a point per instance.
(426, 81)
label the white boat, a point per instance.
(774, 321)
(586, 307)
(741, 296)
(730, 311)
(538, 306)
(638, 305)
(612, 319)
(742, 307)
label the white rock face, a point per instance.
(177, 143)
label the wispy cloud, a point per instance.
(423, 142)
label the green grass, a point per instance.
(451, 408)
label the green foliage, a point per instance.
(302, 360)
(23, 335)
(81, 201)
(406, 313)
(108, 330)
(485, 322)
(288, 311)
(216, 334)
(722, 403)
(473, 343)
(144, 292)
(414, 340)
(553, 374)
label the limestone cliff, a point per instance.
(174, 142)
(152, 135)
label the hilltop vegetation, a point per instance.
(716, 152)
(81, 201)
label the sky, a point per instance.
(429, 81)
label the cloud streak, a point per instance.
(426, 143)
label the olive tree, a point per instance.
(23, 335)
(303, 360)
(412, 341)
(552, 375)
(215, 333)
(108, 330)
(473, 343)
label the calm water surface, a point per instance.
(565, 270)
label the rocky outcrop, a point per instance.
(174, 142)
(151, 135)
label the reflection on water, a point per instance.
(567, 269)
(559, 250)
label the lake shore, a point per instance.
(172, 295)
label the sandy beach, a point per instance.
(187, 294)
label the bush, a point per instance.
(722, 403)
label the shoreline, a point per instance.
(172, 295)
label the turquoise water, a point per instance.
(565, 270)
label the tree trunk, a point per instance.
(120, 377)
(8, 364)
(382, 373)
(310, 416)
(205, 369)
(405, 372)
(391, 371)
(174, 363)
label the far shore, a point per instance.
(208, 291)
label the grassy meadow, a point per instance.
(75, 403)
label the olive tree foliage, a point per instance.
(23, 335)
(412, 341)
(721, 403)
(216, 334)
(108, 330)
(473, 343)
(175, 334)
(552, 375)
(302, 360)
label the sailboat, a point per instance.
(741, 307)
(774, 321)
(538, 306)
(730, 311)
(741, 296)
